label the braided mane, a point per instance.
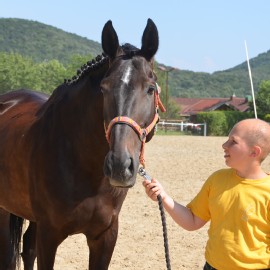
(88, 67)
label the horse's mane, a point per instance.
(59, 93)
(85, 69)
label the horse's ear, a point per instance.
(110, 41)
(149, 40)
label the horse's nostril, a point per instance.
(128, 168)
(131, 167)
(121, 171)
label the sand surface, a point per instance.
(182, 164)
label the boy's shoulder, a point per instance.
(221, 177)
(223, 172)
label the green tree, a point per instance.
(15, 72)
(50, 74)
(263, 98)
(172, 109)
(76, 61)
(18, 72)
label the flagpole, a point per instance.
(251, 82)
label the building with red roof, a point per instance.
(191, 106)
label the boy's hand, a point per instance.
(153, 189)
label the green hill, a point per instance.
(43, 42)
(222, 83)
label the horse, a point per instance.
(68, 160)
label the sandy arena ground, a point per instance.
(182, 164)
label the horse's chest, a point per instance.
(94, 215)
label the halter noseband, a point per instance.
(141, 132)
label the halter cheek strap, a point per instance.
(142, 132)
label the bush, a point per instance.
(267, 117)
(219, 123)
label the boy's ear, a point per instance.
(256, 151)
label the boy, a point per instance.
(236, 200)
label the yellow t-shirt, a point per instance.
(239, 232)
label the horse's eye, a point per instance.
(151, 90)
(103, 89)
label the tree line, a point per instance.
(17, 71)
(20, 72)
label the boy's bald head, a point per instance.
(255, 132)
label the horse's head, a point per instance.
(130, 100)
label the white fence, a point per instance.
(183, 126)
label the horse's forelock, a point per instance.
(128, 51)
(128, 48)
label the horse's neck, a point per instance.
(75, 112)
(85, 106)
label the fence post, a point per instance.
(204, 129)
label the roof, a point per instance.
(191, 106)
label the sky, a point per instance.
(201, 36)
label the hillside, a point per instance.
(222, 83)
(43, 42)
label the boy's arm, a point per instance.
(180, 214)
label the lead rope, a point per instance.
(143, 173)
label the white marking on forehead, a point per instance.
(126, 76)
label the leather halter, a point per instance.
(141, 132)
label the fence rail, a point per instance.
(199, 128)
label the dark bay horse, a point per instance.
(58, 169)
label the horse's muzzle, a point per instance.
(120, 169)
